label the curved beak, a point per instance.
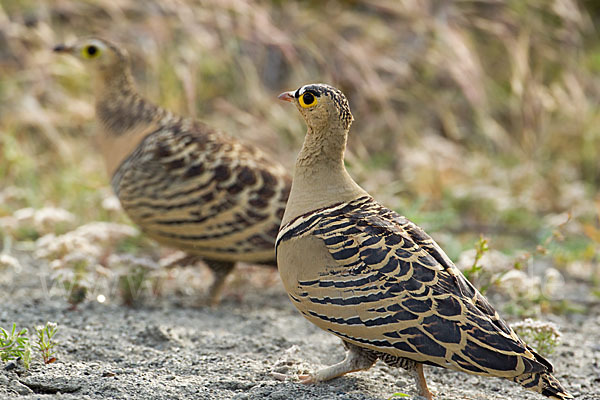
(286, 96)
(61, 48)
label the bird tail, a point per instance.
(544, 383)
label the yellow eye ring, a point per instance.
(90, 51)
(308, 100)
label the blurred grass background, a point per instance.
(471, 117)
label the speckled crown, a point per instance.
(339, 99)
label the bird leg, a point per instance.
(419, 377)
(356, 360)
(220, 271)
(414, 368)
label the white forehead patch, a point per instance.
(95, 42)
(305, 88)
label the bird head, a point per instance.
(321, 105)
(96, 52)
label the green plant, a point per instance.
(132, 283)
(45, 343)
(399, 394)
(15, 345)
(74, 277)
(481, 247)
(541, 336)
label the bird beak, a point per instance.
(286, 96)
(61, 48)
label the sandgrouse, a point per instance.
(379, 282)
(185, 184)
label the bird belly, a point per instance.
(199, 219)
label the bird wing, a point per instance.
(389, 287)
(186, 183)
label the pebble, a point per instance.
(20, 388)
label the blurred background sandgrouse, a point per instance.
(186, 185)
(379, 282)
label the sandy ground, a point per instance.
(169, 349)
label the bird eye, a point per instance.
(308, 100)
(90, 51)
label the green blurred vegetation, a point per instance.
(471, 117)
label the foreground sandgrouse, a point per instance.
(186, 185)
(379, 282)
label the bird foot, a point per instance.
(419, 376)
(278, 376)
(220, 271)
(307, 379)
(424, 396)
(207, 301)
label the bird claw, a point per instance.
(279, 376)
(306, 379)
(423, 396)
(206, 301)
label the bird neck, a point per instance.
(119, 107)
(320, 176)
(125, 117)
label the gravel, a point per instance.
(250, 347)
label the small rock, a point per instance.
(10, 365)
(279, 376)
(20, 388)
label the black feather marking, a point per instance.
(333, 240)
(487, 358)
(373, 256)
(417, 306)
(448, 306)
(466, 365)
(345, 253)
(442, 329)
(352, 301)
(423, 343)
(423, 274)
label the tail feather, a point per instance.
(544, 383)
(541, 360)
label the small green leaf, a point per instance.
(398, 395)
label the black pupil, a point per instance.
(91, 50)
(308, 98)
